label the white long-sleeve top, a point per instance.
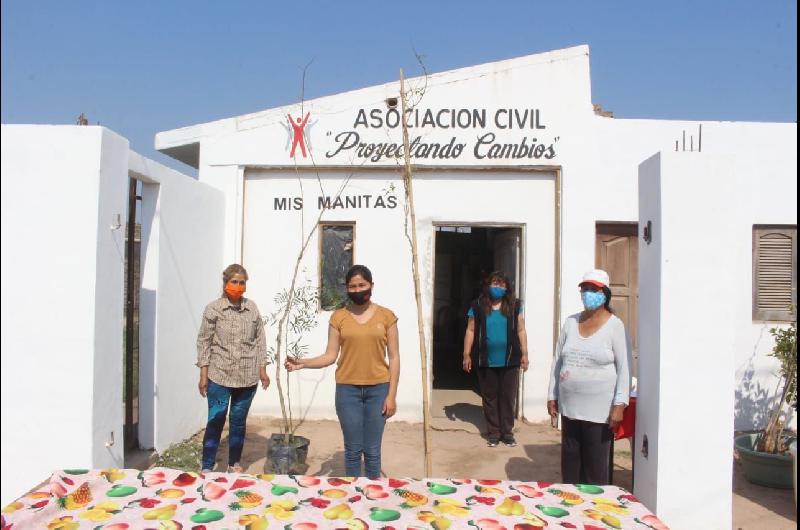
(590, 374)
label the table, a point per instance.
(168, 499)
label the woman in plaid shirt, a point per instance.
(232, 357)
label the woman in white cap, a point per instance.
(589, 383)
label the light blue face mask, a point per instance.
(497, 292)
(592, 300)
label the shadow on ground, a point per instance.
(775, 500)
(333, 465)
(542, 462)
(254, 455)
(468, 413)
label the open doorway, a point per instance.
(464, 256)
(130, 399)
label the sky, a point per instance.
(143, 67)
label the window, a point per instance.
(774, 272)
(336, 258)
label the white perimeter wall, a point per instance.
(62, 301)
(182, 246)
(686, 399)
(271, 243)
(764, 157)
(63, 189)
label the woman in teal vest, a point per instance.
(496, 345)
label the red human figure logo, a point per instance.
(297, 137)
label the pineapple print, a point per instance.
(77, 499)
(247, 499)
(567, 498)
(412, 499)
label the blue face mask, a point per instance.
(592, 300)
(497, 292)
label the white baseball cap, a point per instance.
(596, 277)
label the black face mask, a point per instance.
(360, 297)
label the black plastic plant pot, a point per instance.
(287, 458)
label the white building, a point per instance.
(513, 169)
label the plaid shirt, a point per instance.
(232, 343)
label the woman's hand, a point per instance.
(202, 386)
(524, 363)
(389, 407)
(552, 410)
(262, 375)
(467, 363)
(615, 418)
(292, 364)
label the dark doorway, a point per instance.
(465, 255)
(133, 244)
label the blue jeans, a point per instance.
(218, 397)
(360, 411)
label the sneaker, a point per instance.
(509, 440)
(492, 442)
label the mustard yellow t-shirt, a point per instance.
(362, 360)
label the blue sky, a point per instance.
(147, 66)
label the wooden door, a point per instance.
(617, 252)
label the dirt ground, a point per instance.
(460, 451)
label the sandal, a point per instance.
(235, 468)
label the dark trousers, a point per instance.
(584, 451)
(499, 392)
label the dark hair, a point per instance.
(607, 305)
(358, 270)
(509, 301)
(231, 271)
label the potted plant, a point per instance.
(296, 314)
(764, 455)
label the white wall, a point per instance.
(64, 208)
(272, 240)
(62, 306)
(229, 180)
(107, 414)
(686, 400)
(765, 161)
(649, 333)
(766, 169)
(182, 248)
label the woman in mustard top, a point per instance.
(363, 337)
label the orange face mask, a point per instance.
(234, 292)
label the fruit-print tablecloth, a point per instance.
(117, 499)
